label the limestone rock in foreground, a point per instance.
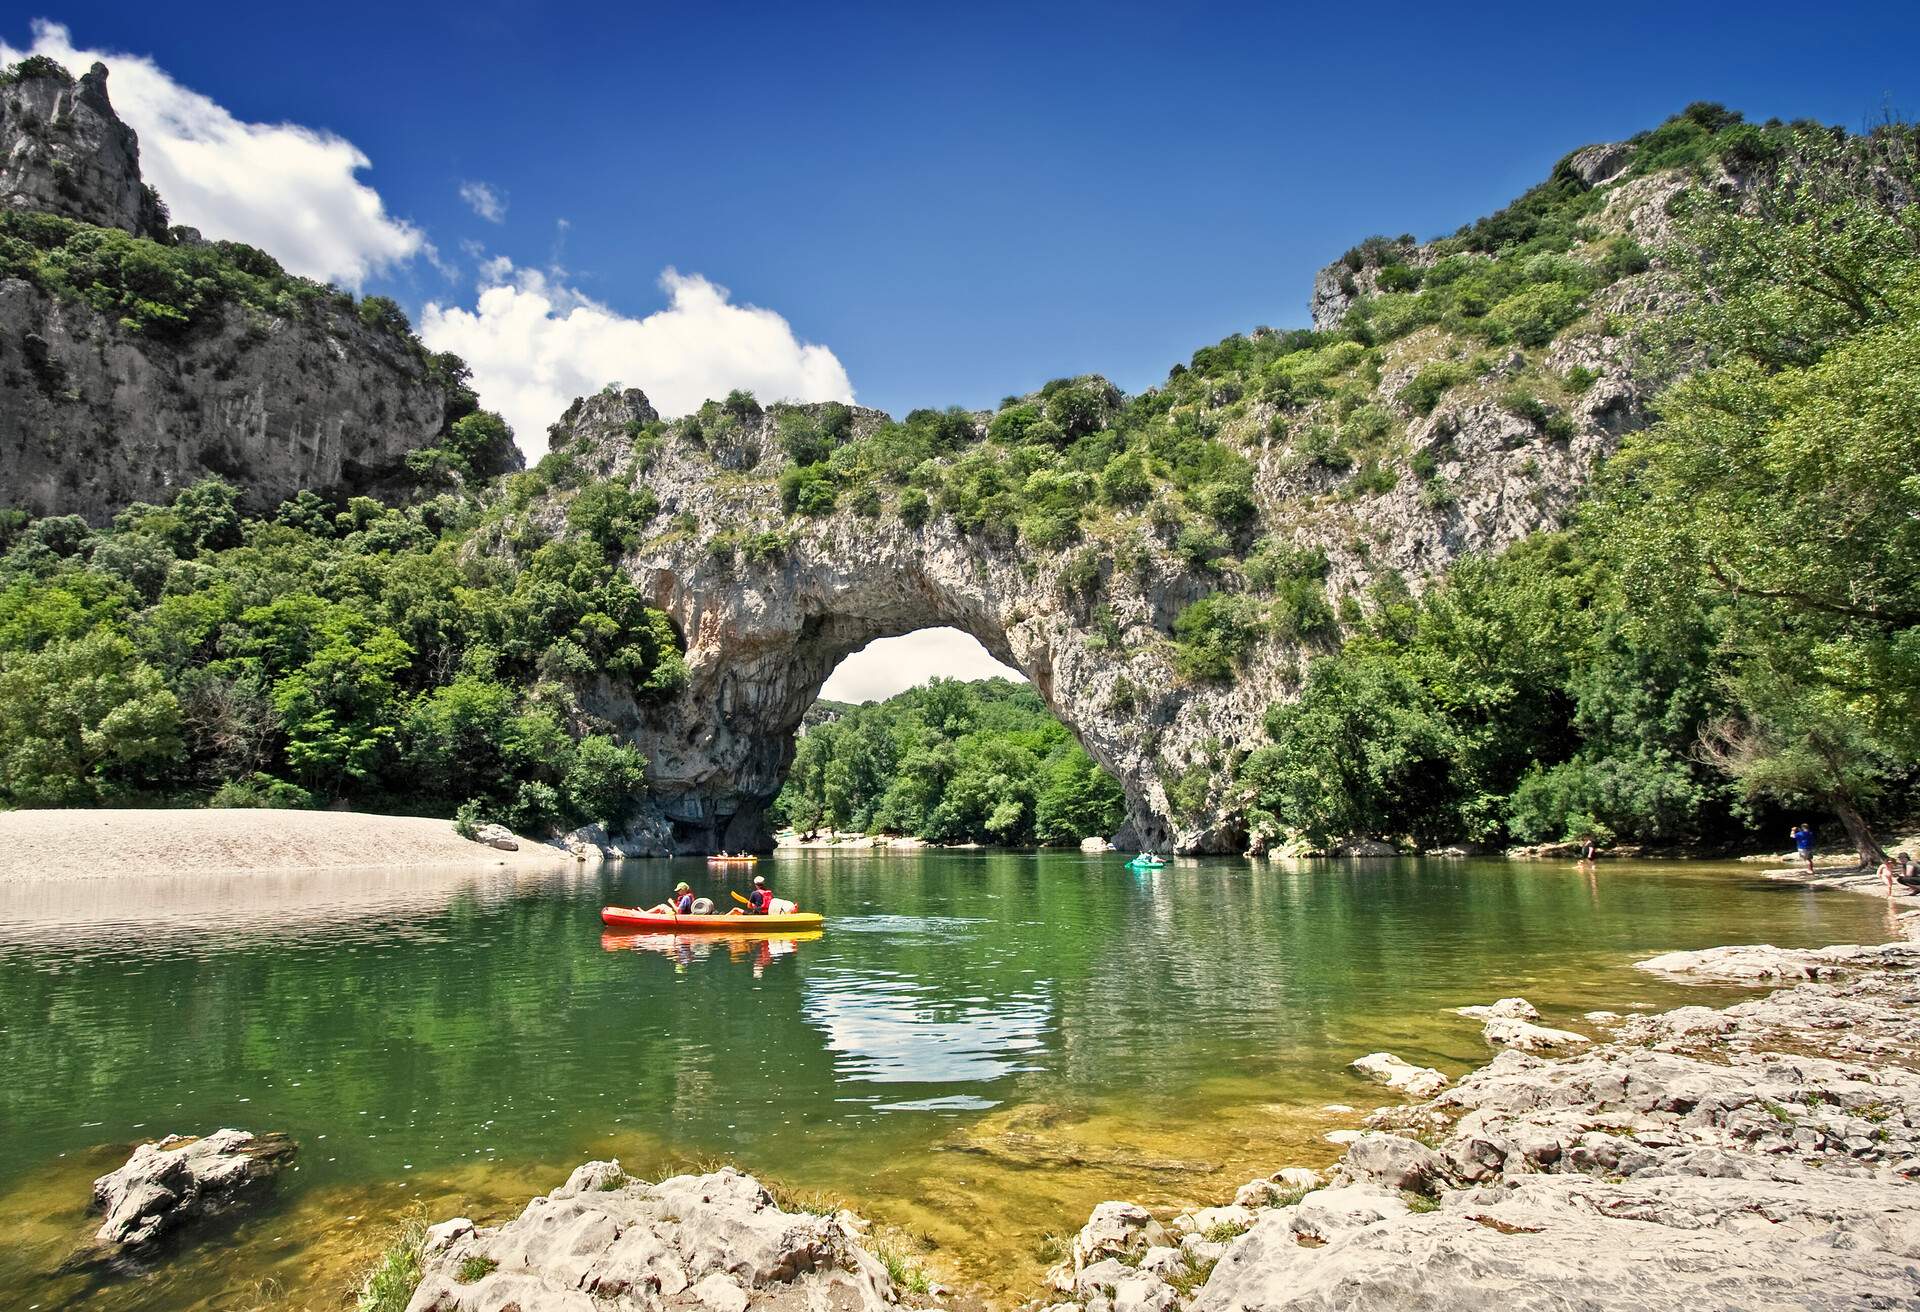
(1403, 1076)
(1763, 963)
(178, 1180)
(602, 1242)
(1541, 1247)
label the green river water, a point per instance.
(978, 1048)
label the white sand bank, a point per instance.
(103, 844)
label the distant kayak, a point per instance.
(734, 923)
(1145, 862)
(732, 860)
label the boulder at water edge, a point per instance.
(180, 1179)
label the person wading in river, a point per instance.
(1803, 839)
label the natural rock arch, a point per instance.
(763, 636)
(768, 603)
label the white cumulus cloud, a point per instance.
(290, 190)
(534, 344)
(483, 200)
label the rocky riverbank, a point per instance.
(1762, 1155)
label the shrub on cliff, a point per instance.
(1214, 634)
(808, 489)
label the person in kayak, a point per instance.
(680, 904)
(760, 901)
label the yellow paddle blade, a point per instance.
(737, 898)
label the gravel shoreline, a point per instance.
(88, 844)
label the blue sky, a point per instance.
(960, 202)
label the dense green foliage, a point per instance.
(951, 762)
(364, 653)
(1733, 620)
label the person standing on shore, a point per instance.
(1899, 869)
(1803, 839)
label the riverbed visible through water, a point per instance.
(977, 1049)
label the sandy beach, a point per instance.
(84, 844)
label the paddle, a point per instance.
(737, 898)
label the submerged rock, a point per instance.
(1507, 1032)
(1387, 1069)
(179, 1180)
(1505, 1009)
(602, 1241)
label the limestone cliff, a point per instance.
(1370, 460)
(137, 359)
(64, 151)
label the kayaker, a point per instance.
(761, 899)
(680, 904)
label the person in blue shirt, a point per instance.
(1803, 839)
(760, 901)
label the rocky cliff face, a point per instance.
(770, 604)
(282, 387)
(64, 151)
(769, 600)
(93, 417)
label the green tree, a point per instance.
(82, 721)
(1363, 752)
(1783, 484)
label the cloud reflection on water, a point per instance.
(888, 1028)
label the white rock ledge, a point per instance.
(1400, 1076)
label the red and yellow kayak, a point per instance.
(732, 922)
